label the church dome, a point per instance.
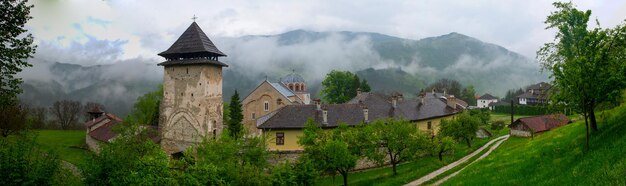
(292, 78)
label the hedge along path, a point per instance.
(441, 170)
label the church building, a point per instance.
(192, 91)
(270, 96)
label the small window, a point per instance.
(280, 138)
(253, 115)
(266, 106)
(430, 125)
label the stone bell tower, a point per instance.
(191, 108)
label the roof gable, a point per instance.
(487, 97)
(192, 43)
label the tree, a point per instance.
(469, 95)
(587, 65)
(450, 86)
(146, 109)
(365, 87)
(66, 112)
(38, 117)
(15, 48)
(235, 116)
(399, 141)
(341, 86)
(441, 144)
(330, 151)
(462, 128)
(13, 119)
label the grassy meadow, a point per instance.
(68, 144)
(557, 157)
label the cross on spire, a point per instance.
(194, 18)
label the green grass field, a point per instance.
(557, 157)
(409, 171)
(505, 117)
(68, 144)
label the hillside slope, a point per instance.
(557, 157)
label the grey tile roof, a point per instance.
(292, 78)
(282, 89)
(379, 107)
(193, 42)
(487, 97)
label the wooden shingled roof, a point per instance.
(192, 43)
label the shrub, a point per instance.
(497, 125)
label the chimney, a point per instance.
(325, 116)
(394, 101)
(422, 98)
(451, 101)
(358, 91)
(317, 103)
(444, 92)
(366, 114)
(433, 91)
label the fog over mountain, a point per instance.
(388, 63)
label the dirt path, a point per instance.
(454, 164)
(439, 182)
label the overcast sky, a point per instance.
(102, 32)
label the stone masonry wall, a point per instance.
(191, 107)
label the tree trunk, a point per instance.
(469, 143)
(345, 178)
(592, 117)
(587, 132)
(394, 168)
(441, 155)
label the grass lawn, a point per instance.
(505, 117)
(67, 144)
(409, 171)
(557, 157)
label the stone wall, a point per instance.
(520, 133)
(192, 105)
(92, 144)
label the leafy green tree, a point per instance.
(23, 163)
(15, 48)
(234, 161)
(146, 109)
(462, 128)
(441, 144)
(283, 175)
(482, 114)
(365, 87)
(399, 141)
(469, 95)
(587, 65)
(449, 85)
(305, 172)
(341, 86)
(131, 159)
(330, 150)
(235, 116)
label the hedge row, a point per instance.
(522, 109)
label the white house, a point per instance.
(484, 100)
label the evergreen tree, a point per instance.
(236, 116)
(14, 48)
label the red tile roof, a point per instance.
(104, 132)
(543, 123)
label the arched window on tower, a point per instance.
(290, 86)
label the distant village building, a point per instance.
(529, 126)
(192, 91)
(484, 100)
(99, 128)
(269, 96)
(284, 126)
(536, 94)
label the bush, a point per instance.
(21, 163)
